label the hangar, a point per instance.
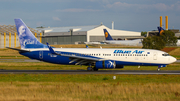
(81, 34)
(9, 36)
(63, 35)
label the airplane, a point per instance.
(110, 40)
(94, 43)
(94, 58)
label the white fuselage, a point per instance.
(136, 42)
(121, 56)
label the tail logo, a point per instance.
(22, 31)
(161, 32)
(106, 34)
(26, 37)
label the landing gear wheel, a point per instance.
(95, 69)
(158, 69)
(89, 68)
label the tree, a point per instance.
(159, 42)
(154, 42)
(169, 38)
(143, 33)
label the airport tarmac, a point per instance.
(18, 60)
(135, 72)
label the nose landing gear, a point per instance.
(160, 66)
(158, 69)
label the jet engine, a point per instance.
(108, 64)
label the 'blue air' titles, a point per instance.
(128, 52)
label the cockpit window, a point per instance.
(165, 54)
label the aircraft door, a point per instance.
(155, 56)
(41, 54)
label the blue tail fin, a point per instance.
(161, 30)
(26, 37)
(107, 35)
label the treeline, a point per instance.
(167, 38)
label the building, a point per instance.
(81, 34)
(9, 36)
(63, 35)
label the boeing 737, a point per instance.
(110, 40)
(94, 58)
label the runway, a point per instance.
(135, 72)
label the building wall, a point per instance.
(102, 38)
(97, 34)
(14, 40)
(1, 41)
(53, 40)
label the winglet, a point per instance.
(87, 46)
(50, 49)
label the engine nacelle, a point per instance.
(107, 64)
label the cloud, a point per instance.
(138, 7)
(78, 10)
(56, 18)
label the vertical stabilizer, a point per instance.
(161, 30)
(107, 35)
(26, 37)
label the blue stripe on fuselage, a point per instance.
(47, 56)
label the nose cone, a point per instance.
(173, 59)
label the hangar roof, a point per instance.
(67, 29)
(12, 29)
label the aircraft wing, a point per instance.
(76, 58)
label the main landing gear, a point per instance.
(91, 69)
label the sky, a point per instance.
(130, 15)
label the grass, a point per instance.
(88, 87)
(48, 66)
(89, 78)
(56, 87)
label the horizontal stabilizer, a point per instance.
(20, 50)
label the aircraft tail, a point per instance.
(26, 37)
(107, 35)
(161, 30)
